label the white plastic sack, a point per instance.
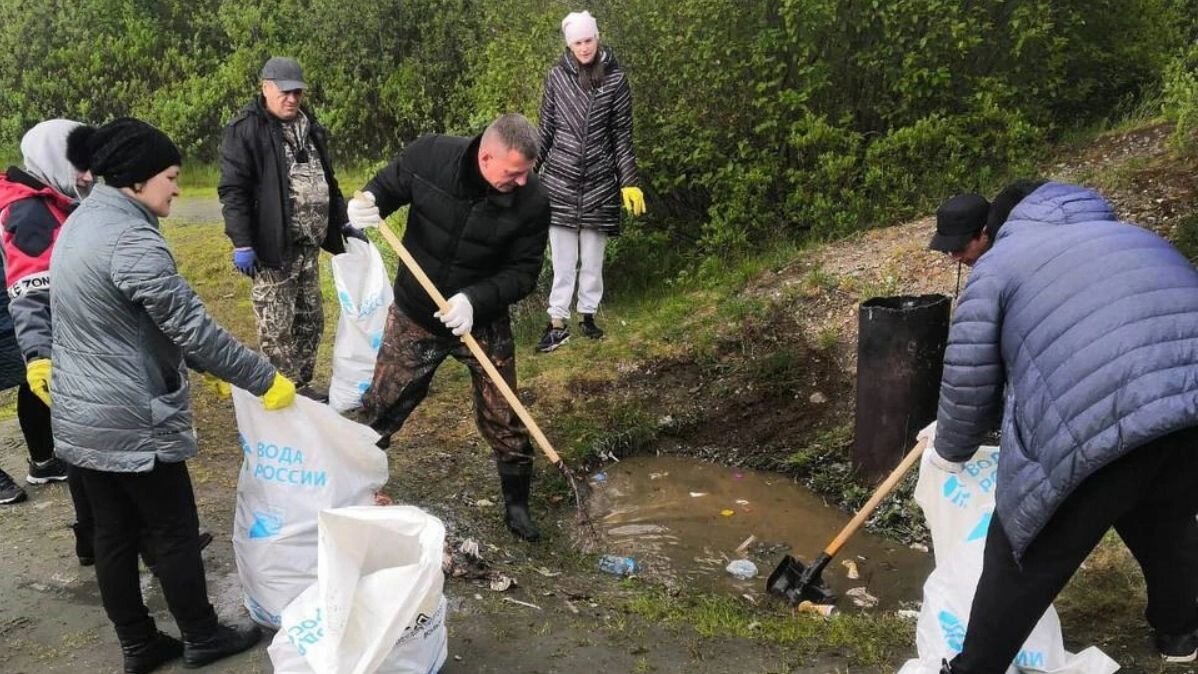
(297, 462)
(958, 508)
(377, 605)
(364, 292)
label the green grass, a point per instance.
(867, 639)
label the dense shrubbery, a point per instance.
(755, 119)
(1181, 96)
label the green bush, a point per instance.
(755, 120)
(917, 166)
(1181, 96)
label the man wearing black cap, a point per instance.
(961, 228)
(281, 205)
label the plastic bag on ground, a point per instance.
(377, 605)
(364, 293)
(297, 462)
(958, 508)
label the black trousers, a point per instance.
(162, 501)
(34, 417)
(1149, 496)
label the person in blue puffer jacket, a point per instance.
(1079, 333)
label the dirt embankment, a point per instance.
(786, 372)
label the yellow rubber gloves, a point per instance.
(280, 394)
(219, 386)
(37, 373)
(634, 200)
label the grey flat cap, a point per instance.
(285, 72)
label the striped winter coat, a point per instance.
(586, 145)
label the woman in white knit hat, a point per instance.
(588, 168)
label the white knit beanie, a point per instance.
(579, 26)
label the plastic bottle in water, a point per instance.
(618, 566)
(742, 569)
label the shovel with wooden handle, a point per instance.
(577, 486)
(798, 582)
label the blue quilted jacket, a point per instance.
(1081, 333)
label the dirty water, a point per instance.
(683, 521)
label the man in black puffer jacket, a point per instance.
(478, 221)
(282, 205)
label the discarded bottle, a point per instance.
(618, 566)
(742, 569)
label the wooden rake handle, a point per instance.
(471, 343)
(880, 493)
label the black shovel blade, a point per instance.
(795, 582)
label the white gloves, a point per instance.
(459, 317)
(928, 434)
(362, 212)
(944, 464)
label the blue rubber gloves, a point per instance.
(245, 260)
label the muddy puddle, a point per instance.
(684, 520)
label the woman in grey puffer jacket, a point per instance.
(125, 327)
(588, 167)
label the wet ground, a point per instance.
(52, 620)
(684, 520)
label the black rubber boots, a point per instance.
(516, 481)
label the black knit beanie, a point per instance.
(123, 152)
(1006, 201)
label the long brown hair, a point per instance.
(590, 75)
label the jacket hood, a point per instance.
(605, 56)
(17, 185)
(1058, 204)
(44, 153)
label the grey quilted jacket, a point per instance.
(1091, 327)
(125, 325)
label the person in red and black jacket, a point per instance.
(34, 202)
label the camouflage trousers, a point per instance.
(287, 304)
(409, 358)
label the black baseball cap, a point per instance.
(958, 220)
(285, 72)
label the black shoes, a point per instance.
(10, 492)
(200, 650)
(312, 394)
(516, 481)
(588, 327)
(1182, 648)
(50, 470)
(40, 472)
(146, 655)
(552, 338)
